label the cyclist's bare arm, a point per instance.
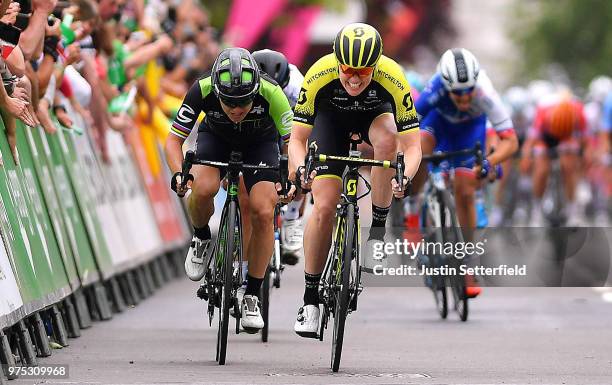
(506, 147)
(174, 152)
(410, 145)
(297, 147)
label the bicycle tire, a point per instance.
(226, 293)
(265, 305)
(438, 284)
(342, 302)
(457, 281)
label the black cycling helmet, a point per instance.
(274, 64)
(235, 77)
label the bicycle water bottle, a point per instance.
(482, 220)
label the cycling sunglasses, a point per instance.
(465, 91)
(350, 71)
(237, 103)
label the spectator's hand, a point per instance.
(165, 43)
(20, 92)
(11, 13)
(63, 118)
(73, 54)
(44, 6)
(19, 109)
(53, 30)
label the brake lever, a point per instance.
(185, 175)
(399, 173)
(283, 169)
(307, 169)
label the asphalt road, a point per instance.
(514, 335)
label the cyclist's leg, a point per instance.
(332, 139)
(317, 235)
(430, 128)
(540, 174)
(262, 200)
(382, 134)
(330, 133)
(569, 161)
(201, 200)
(541, 170)
(461, 136)
(200, 204)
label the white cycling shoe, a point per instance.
(239, 298)
(307, 322)
(196, 260)
(251, 319)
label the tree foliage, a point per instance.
(575, 34)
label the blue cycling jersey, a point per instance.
(486, 102)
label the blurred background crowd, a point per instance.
(127, 64)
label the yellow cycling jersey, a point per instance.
(322, 87)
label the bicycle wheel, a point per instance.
(439, 291)
(457, 281)
(227, 276)
(434, 223)
(341, 282)
(265, 305)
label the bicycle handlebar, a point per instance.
(442, 156)
(312, 157)
(236, 164)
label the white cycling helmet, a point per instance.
(517, 98)
(459, 69)
(540, 89)
(599, 88)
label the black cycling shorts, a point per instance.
(214, 148)
(332, 131)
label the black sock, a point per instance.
(253, 285)
(202, 232)
(379, 220)
(311, 290)
(379, 216)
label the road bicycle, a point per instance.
(223, 274)
(340, 283)
(440, 226)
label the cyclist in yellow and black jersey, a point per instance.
(388, 92)
(353, 90)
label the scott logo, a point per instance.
(351, 187)
(407, 101)
(302, 98)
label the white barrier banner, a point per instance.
(102, 193)
(10, 298)
(133, 203)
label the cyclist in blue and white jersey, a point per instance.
(454, 108)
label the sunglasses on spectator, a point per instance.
(465, 91)
(350, 71)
